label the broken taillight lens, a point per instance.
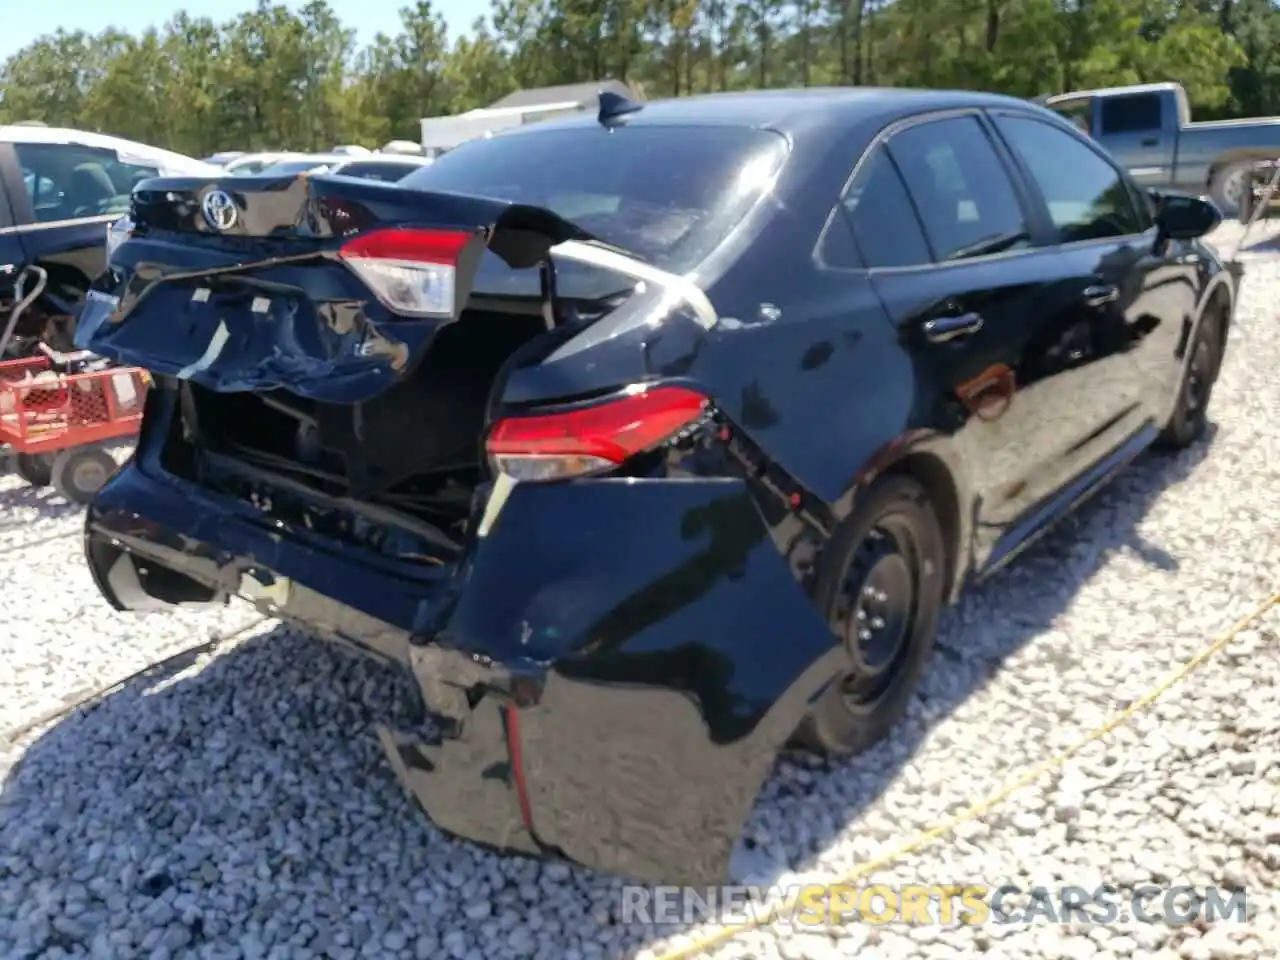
(413, 272)
(592, 439)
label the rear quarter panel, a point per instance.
(810, 367)
(803, 358)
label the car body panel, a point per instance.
(615, 661)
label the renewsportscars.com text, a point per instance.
(813, 905)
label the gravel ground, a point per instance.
(236, 804)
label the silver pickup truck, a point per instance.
(1148, 128)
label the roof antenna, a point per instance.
(613, 107)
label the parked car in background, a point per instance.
(402, 147)
(302, 163)
(386, 167)
(223, 158)
(252, 163)
(1148, 128)
(650, 441)
(59, 189)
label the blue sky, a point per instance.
(93, 16)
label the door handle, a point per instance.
(945, 329)
(1101, 294)
(1150, 142)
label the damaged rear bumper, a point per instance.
(617, 662)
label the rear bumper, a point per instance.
(620, 661)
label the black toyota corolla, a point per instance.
(647, 441)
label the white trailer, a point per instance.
(445, 133)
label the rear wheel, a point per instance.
(35, 468)
(1191, 413)
(882, 591)
(79, 473)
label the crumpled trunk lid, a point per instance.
(238, 283)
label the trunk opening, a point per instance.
(395, 474)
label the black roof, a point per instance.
(565, 93)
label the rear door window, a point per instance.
(881, 216)
(70, 182)
(961, 189)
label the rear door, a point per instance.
(1137, 298)
(988, 311)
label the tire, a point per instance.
(882, 591)
(1190, 416)
(79, 473)
(35, 468)
(1227, 187)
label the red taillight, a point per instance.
(413, 272)
(551, 446)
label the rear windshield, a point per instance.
(669, 195)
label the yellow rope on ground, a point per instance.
(935, 833)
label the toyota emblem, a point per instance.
(219, 210)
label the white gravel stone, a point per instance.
(238, 806)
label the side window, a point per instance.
(1138, 112)
(961, 189)
(880, 215)
(1087, 197)
(66, 181)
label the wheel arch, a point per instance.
(931, 472)
(1217, 304)
(929, 460)
(1230, 158)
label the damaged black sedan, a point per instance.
(648, 442)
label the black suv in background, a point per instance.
(58, 191)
